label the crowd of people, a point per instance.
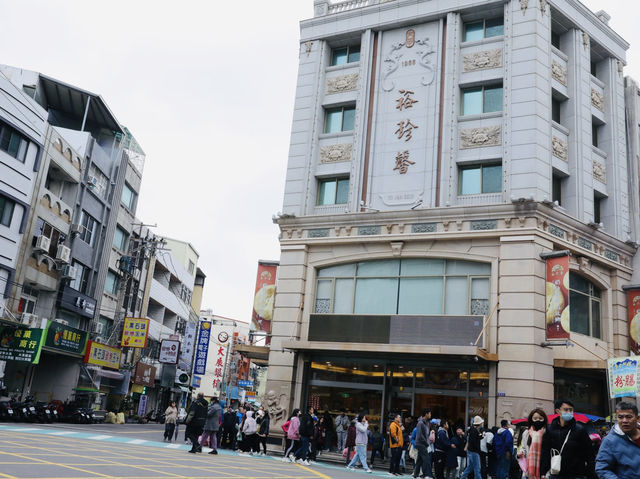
(437, 448)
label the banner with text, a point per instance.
(265, 294)
(65, 338)
(202, 348)
(623, 377)
(134, 332)
(23, 345)
(633, 312)
(557, 295)
(169, 351)
(102, 355)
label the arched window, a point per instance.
(584, 306)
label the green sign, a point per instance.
(22, 345)
(65, 338)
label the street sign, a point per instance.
(245, 383)
(169, 351)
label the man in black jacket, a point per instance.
(578, 460)
(195, 422)
(306, 431)
(229, 430)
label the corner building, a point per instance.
(435, 155)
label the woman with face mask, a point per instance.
(531, 443)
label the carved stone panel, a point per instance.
(318, 233)
(369, 230)
(423, 228)
(336, 153)
(342, 83)
(557, 231)
(559, 72)
(597, 100)
(599, 172)
(483, 225)
(560, 148)
(480, 137)
(482, 60)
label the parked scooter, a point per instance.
(6, 408)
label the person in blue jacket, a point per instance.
(619, 454)
(503, 445)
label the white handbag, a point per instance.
(556, 457)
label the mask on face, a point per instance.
(567, 416)
(537, 425)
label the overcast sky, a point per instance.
(207, 88)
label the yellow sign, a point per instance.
(102, 355)
(137, 388)
(134, 333)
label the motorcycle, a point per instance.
(6, 409)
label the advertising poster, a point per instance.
(265, 295)
(557, 298)
(186, 351)
(134, 332)
(623, 377)
(145, 375)
(65, 338)
(142, 406)
(102, 355)
(169, 351)
(633, 311)
(202, 348)
(23, 345)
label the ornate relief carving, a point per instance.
(599, 172)
(276, 405)
(392, 61)
(543, 6)
(336, 153)
(559, 72)
(620, 68)
(585, 40)
(318, 233)
(524, 4)
(612, 255)
(342, 83)
(483, 225)
(482, 60)
(307, 46)
(584, 243)
(368, 230)
(556, 231)
(480, 137)
(597, 100)
(560, 149)
(423, 228)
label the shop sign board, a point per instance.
(142, 405)
(557, 298)
(265, 294)
(196, 381)
(134, 332)
(245, 383)
(169, 351)
(202, 348)
(633, 312)
(145, 375)
(186, 351)
(623, 377)
(77, 302)
(102, 355)
(218, 371)
(22, 345)
(65, 338)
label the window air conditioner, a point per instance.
(99, 339)
(28, 319)
(63, 254)
(43, 244)
(97, 328)
(68, 271)
(64, 322)
(92, 181)
(76, 229)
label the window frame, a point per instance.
(55, 236)
(114, 285)
(89, 226)
(132, 199)
(83, 277)
(556, 188)
(7, 210)
(481, 167)
(348, 48)
(101, 188)
(592, 298)
(483, 89)
(125, 239)
(341, 109)
(8, 134)
(337, 180)
(484, 29)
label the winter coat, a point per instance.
(453, 453)
(460, 443)
(351, 435)
(361, 433)
(213, 418)
(263, 425)
(503, 442)
(294, 429)
(618, 457)
(171, 415)
(250, 426)
(474, 436)
(306, 425)
(396, 438)
(229, 421)
(443, 442)
(199, 409)
(377, 441)
(422, 433)
(577, 456)
(342, 423)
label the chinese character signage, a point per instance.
(623, 377)
(142, 405)
(557, 298)
(23, 345)
(169, 351)
(218, 370)
(145, 375)
(265, 294)
(245, 383)
(633, 312)
(102, 355)
(65, 338)
(202, 348)
(134, 333)
(186, 352)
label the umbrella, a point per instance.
(577, 416)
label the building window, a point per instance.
(97, 181)
(478, 179)
(555, 39)
(556, 189)
(111, 284)
(12, 142)
(339, 119)
(584, 306)
(408, 286)
(55, 236)
(596, 128)
(28, 300)
(342, 56)
(555, 110)
(89, 229)
(191, 268)
(6, 211)
(80, 281)
(120, 239)
(333, 191)
(128, 197)
(493, 27)
(597, 209)
(484, 99)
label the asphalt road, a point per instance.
(37, 451)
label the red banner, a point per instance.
(557, 295)
(265, 295)
(633, 311)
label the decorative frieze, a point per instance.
(612, 255)
(368, 230)
(480, 137)
(560, 148)
(482, 60)
(597, 100)
(599, 172)
(559, 72)
(543, 6)
(584, 243)
(484, 225)
(524, 4)
(424, 228)
(336, 153)
(318, 233)
(342, 83)
(557, 231)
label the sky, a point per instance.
(207, 89)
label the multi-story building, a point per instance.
(438, 149)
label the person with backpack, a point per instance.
(293, 435)
(341, 423)
(377, 444)
(441, 449)
(503, 445)
(306, 433)
(229, 421)
(195, 422)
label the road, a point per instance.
(37, 451)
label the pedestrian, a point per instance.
(408, 440)
(306, 433)
(572, 441)
(442, 447)
(293, 433)
(211, 426)
(342, 424)
(170, 419)
(241, 415)
(351, 441)
(329, 429)
(319, 435)
(195, 422)
(396, 442)
(287, 441)
(362, 439)
(264, 422)
(486, 445)
(474, 436)
(229, 431)
(377, 444)
(531, 442)
(250, 434)
(451, 462)
(423, 440)
(503, 444)
(461, 451)
(619, 454)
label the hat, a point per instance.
(477, 421)
(435, 421)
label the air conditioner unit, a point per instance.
(76, 229)
(97, 328)
(43, 244)
(28, 319)
(99, 339)
(64, 322)
(68, 271)
(63, 254)
(92, 181)
(136, 275)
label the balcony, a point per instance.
(59, 213)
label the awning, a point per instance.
(110, 374)
(253, 352)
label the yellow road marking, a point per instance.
(42, 461)
(319, 474)
(2, 474)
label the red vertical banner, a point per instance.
(265, 296)
(633, 312)
(557, 295)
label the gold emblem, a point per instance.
(411, 38)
